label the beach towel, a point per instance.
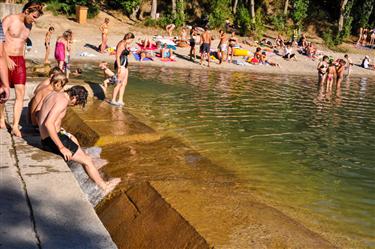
(137, 57)
(165, 59)
(153, 47)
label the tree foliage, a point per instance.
(282, 15)
(299, 14)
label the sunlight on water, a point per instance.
(295, 143)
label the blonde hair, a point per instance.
(67, 34)
(59, 78)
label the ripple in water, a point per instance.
(296, 143)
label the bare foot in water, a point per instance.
(110, 185)
(16, 132)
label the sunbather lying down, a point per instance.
(143, 54)
(166, 53)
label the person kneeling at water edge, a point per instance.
(53, 139)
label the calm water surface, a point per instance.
(296, 144)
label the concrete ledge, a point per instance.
(60, 211)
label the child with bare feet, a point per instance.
(331, 76)
(340, 72)
(57, 84)
(59, 142)
(62, 49)
(110, 77)
(349, 64)
(47, 44)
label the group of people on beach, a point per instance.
(49, 104)
(366, 37)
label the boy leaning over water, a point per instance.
(110, 77)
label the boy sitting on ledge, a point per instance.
(59, 142)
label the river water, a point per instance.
(299, 146)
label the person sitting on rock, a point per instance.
(56, 140)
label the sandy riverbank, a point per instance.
(89, 34)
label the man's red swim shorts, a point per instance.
(18, 75)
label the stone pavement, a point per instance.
(41, 203)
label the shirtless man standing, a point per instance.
(104, 29)
(222, 46)
(17, 29)
(205, 46)
(4, 80)
(59, 142)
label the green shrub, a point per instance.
(299, 13)
(163, 21)
(243, 20)
(126, 6)
(149, 22)
(278, 21)
(258, 27)
(220, 12)
(68, 7)
(180, 15)
(57, 8)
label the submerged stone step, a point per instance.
(140, 218)
(101, 124)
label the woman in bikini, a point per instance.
(61, 49)
(121, 65)
(322, 69)
(104, 30)
(192, 42)
(233, 40)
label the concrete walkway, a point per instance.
(41, 203)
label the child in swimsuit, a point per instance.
(47, 43)
(61, 49)
(111, 77)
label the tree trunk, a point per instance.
(252, 11)
(154, 8)
(174, 8)
(286, 7)
(342, 10)
(235, 6)
(133, 16)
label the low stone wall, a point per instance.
(8, 9)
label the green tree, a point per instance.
(219, 12)
(299, 14)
